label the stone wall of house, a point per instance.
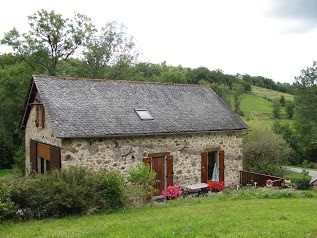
(44, 135)
(122, 153)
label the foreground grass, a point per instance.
(236, 215)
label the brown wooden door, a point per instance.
(158, 167)
(169, 170)
(204, 167)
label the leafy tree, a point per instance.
(290, 107)
(237, 93)
(306, 108)
(276, 109)
(282, 101)
(51, 38)
(111, 46)
(265, 151)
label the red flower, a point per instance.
(216, 186)
(172, 192)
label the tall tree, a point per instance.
(51, 38)
(306, 107)
(111, 46)
(14, 79)
(237, 94)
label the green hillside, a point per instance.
(258, 103)
(270, 94)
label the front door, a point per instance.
(163, 167)
(158, 167)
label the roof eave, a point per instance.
(152, 134)
(27, 107)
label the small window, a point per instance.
(40, 116)
(144, 114)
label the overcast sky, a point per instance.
(274, 39)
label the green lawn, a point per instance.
(5, 173)
(218, 216)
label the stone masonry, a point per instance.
(123, 153)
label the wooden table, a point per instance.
(200, 188)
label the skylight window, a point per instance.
(144, 114)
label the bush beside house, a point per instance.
(71, 191)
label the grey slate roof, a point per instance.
(99, 108)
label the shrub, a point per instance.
(303, 184)
(143, 176)
(264, 151)
(111, 189)
(7, 207)
(70, 191)
(216, 186)
(172, 192)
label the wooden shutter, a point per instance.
(55, 158)
(43, 116)
(33, 155)
(204, 167)
(44, 151)
(148, 161)
(169, 170)
(37, 116)
(221, 166)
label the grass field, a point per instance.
(217, 216)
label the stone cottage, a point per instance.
(182, 131)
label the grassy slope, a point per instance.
(256, 107)
(255, 104)
(263, 92)
(200, 217)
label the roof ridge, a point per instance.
(119, 80)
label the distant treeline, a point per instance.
(268, 83)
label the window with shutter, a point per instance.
(44, 157)
(221, 166)
(39, 116)
(211, 161)
(33, 155)
(204, 167)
